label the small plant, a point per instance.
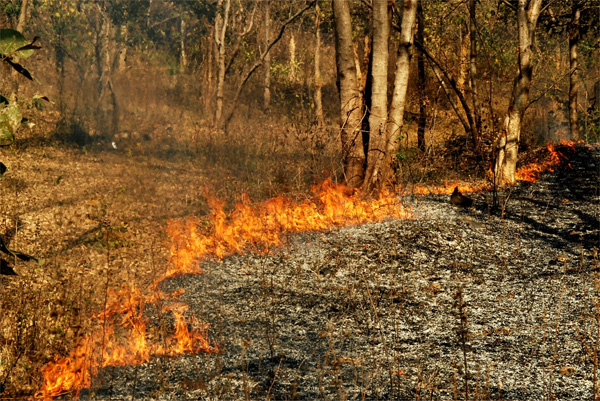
(13, 46)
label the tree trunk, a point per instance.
(422, 80)
(183, 54)
(476, 130)
(318, 97)
(573, 68)
(353, 155)
(463, 64)
(377, 172)
(508, 143)
(22, 15)
(396, 117)
(267, 65)
(221, 21)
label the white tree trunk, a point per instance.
(396, 118)
(350, 98)
(508, 143)
(378, 134)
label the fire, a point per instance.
(260, 227)
(533, 171)
(121, 334)
(121, 337)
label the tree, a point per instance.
(384, 127)
(574, 36)
(318, 97)
(353, 156)
(528, 12)
(376, 173)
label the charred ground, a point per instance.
(398, 310)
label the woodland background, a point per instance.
(135, 131)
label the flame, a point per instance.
(533, 171)
(121, 336)
(260, 227)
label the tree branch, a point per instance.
(262, 56)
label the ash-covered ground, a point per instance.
(404, 309)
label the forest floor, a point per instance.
(400, 309)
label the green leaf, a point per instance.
(13, 43)
(10, 121)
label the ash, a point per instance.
(452, 304)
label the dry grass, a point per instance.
(96, 217)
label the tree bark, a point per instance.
(508, 143)
(183, 54)
(396, 117)
(377, 172)
(267, 63)
(422, 121)
(221, 22)
(22, 16)
(318, 97)
(573, 68)
(353, 156)
(476, 130)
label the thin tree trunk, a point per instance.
(267, 63)
(377, 171)
(396, 117)
(463, 64)
(208, 95)
(422, 80)
(353, 155)
(221, 21)
(22, 15)
(508, 143)
(20, 27)
(574, 71)
(318, 97)
(183, 55)
(475, 131)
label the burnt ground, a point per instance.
(404, 309)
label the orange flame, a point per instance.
(261, 226)
(129, 346)
(533, 171)
(121, 335)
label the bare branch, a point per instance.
(262, 56)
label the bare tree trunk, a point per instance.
(22, 15)
(20, 26)
(574, 70)
(267, 64)
(475, 131)
(221, 22)
(422, 80)
(318, 97)
(377, 172)
(508, 143)
(208, 95)
(396, 117)
(183, 55)
(350, 98)
(463, 65)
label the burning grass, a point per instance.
(121, 335)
